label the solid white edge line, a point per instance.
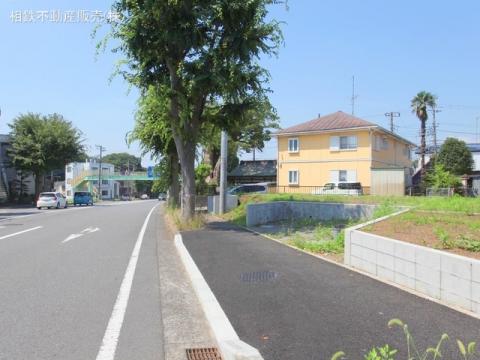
(20, 232)
(112, 333)
(231, 347)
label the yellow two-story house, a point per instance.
(339, 148)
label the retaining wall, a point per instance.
(264, 213)
(447, 277)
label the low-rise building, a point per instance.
(340, 148)
(77, 172)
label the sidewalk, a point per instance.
(184, 322)
(290, 305)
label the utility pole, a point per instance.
(434, 112)
(353, 95)
(253, 154)
(392, 115)
(223, 171)
(102, 149)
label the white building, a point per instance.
(76, 172)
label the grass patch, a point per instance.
(197, 222)
(387, 204)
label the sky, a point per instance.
(393, 48)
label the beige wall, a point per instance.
(315, 160)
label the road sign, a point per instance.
(150, 171)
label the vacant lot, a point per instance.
(454, 232)
(455, 204)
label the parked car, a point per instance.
(260, 188)
(51, 200)
(162, 197)
(144, 197)
(125, 197)
(343, 188)
(82, 198)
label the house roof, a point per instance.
(255, 168)
(335, 121)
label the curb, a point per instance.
(230, 345)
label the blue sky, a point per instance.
(394, 49)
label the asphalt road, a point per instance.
(290, 305)
(61, 272)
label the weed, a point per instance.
(444, 238)
(386, 353)
(466, 243)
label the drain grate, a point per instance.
(203, 354)
(258, 276)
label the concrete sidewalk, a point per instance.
(184, 323)
(290, 305)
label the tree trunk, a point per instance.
(186, 154)
(174, 191)
(422, 149)
(38, 184)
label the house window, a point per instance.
(384, 143)
(95, 182)
(94, 168)
(343, 143)
(406, 152)
(104, 182)
(293, 145)
(69, 169)
(342, 176)
(293, 177)
(104, 192)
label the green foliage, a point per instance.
(444, 238)
(441, 178)
(412, 352)
(381, 353)
(201, 172)
(455, 157)
(204, 56)
(385, 208)
(43, 143)
(124, 161)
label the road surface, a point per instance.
(290, 305)
(80, 283)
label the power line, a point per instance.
(392, 115)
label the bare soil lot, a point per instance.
(454, 232)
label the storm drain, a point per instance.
(203, 354)
(258, 276)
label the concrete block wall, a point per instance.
(450, 278)
(264, 213)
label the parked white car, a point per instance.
(344, 188)
(51, 200)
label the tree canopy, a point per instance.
(124, 161)
(204, 53)
(455, 157)
(420, 104)
(44, 143)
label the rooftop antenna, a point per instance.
(354, 97)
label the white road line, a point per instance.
(20, 232)
(71, 237)
(110, 339)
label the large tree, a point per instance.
(455, 157)
(43, 143)
(203, 51)
(420, 104)
(153, 131)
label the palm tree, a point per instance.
(420, 105)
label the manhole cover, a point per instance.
(258, 276)
(203, 354)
